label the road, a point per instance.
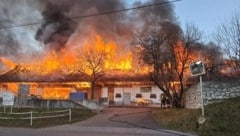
(87, 131)
(123, 117)
(110, 122)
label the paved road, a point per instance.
(122, 117)
(86, 131)
(112, 121)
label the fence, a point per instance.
(30, 115)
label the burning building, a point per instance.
(57, 78)
(43, 53)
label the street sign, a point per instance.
(197, 68)
(8, 98)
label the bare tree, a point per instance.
(212, 56)
(229, 37)
(183, 55)
(91, 64)
(169, 51)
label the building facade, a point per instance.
(117, 93)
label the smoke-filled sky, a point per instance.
(54, 30)
(50, 27)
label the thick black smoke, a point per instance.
(61, 27)
(58, 26)
(113, 27)
(154, 15)
(61, 22)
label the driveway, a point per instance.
(112, 121)
(122, 117)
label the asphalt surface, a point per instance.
(109, 122)
(122, 117)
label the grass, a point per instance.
(76, 116)
(223, 119)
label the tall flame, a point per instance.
(118, 58)
(7, 63)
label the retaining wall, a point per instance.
(212, 92)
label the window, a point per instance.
(146, 89)
(138, 95)
(118, 95)
(154, 96)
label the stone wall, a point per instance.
(212, 92)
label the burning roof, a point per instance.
(60, 25)
(45, 49)
(23, 74)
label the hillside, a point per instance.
(222, 119)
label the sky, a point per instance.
(207, 15)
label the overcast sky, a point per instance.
(206, 14)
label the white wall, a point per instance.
(133, 90)
(118, 90)
(137, 89)
(104, 92)
(158, 92)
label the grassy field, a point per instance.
(223, 119)
(77, 115)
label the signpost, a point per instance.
(8, 99)
(198, 69)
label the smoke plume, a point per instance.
(63, 26)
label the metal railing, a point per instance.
(60, 113)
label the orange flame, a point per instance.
(8, 63)
(118, 58)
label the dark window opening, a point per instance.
(138, 95)
(153, 96)
(118, 95)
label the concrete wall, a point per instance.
(40, 103)
(133, 91)
(212, 92)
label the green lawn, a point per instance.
(223, 119)
(77, 115)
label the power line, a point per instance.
(93, 15)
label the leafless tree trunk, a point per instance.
(169, 51)
(91, 64)
(184, 54)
